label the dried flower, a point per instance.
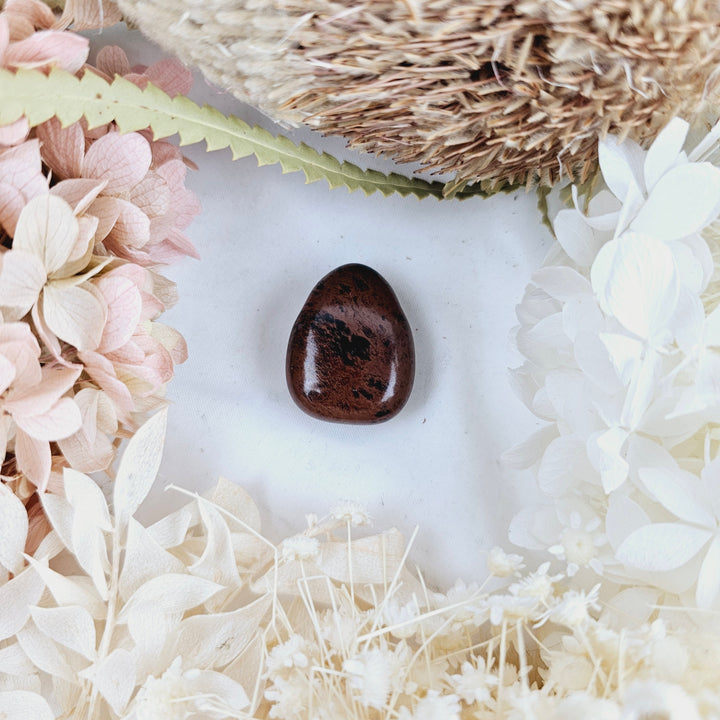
(618, 331)
(493, 92)
(140, 632)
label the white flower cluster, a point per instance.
(620, 331)
(199, 616)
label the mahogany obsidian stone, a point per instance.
(350, 356)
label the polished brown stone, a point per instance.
(350, 356)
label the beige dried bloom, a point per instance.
(495, 92)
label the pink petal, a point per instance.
(61, 421)
(63, 148)
(122, 160)
(87, 456)
(171, 76)
(15, 132)
(22, 180)
(78, 193)
(90, 449)
(49, 48)
(74, 314)
(124, 310)
(164, 151)
(22, 277)
(112, 61)
(19, 346)
(43, 331)
(128, 354)
(102, 371)
(81, 254)
(7, 375)
(178, 245)
(132, 228)
(33, 459)
(107, 211)
(36, 14)
(151, 195)
(4, 35)
(152, 307)
(21, 166)
(171, 340)
(11, 204)
(55, 382)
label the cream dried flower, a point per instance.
(620, 340)
(42, 273)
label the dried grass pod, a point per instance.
(492, 91)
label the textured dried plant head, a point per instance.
(493, 91)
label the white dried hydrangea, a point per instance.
(620, 331)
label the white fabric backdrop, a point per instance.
(458, 268)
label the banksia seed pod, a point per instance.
(490, 91)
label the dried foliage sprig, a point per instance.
(620, 334)
(497, 92)
(200, 615)
(86, 218)
(38, 97)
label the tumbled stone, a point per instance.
(350, 356)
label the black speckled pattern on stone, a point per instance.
(350, 356)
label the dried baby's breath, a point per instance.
(110, 619)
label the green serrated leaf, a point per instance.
(39, 97)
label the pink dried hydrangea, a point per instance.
(27, 40)
(85, 219)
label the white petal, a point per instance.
(624, 353)
(562, 283)
(22, 277)
(16, 597)
(215, 640)
(604, 450)
(529, 451)
(70, 591)
(21, 705)
(162, 598)
(576, 237)
(621, 165)
(643, 387)
(44, 653)
(74, 315)
(660, 547)
(664, 151)
(708, 585)
(215, 684)
(86, 498)
(635, 279)
(139, 466)
(114, 678)
(144, 560)
(560, 465)
(48, 229)
(624, 516)
(71, 627)
(13, 530)
(60, 514)
(685, 200)
(675, 492)
(217, 561)
(688, 322)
